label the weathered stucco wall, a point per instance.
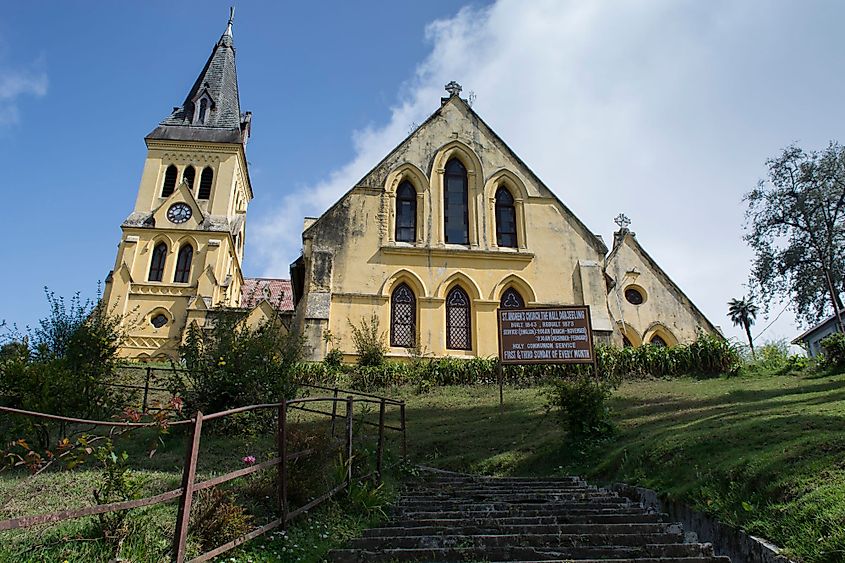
(356, 235)
(665, 311)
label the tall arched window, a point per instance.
(403, 317)
(455, 206)
(458, 320)
(505, 218)
(656, 340)
(511, 299)
(183, 264)
(157, 263)
(406, 212)
(169, 181)
(206, 179)
(190, 175)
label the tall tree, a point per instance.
(743, 312)
(795, 223)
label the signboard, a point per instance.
(547, 335)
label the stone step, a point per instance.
(469, 529)
(490, 541)
(500, 512)
(577, 553)
(561, 507)
(512, 497)
(440, 519)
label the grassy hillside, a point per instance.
(764, 452)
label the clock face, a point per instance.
(179, 213)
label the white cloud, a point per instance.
(13, 85)
(665, 110)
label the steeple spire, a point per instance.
(211, 111)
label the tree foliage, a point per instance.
(795, 224)
(230, 364)
(743, 312)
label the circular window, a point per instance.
(634, 295)
(159, 320)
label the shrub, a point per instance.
(117, 484)
(333, 360)
(230, 364)
(582, 404)
(64, 365)
(369, 342)
(217, 519)
(834, 350)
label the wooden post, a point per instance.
(146, 389)
(349, 408)
(283, 462)
(402, 425)
(380, 450)
(334, 410)
(188, 473)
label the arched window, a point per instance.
(203, 110)
(157, 263)
(626, 343)
(403, 317)
(206, 179)
(183, 264)
(458, 320)
(406, 213)
(656, 340)
(505, 218)
(455, 211)
(511, 299)
(169, 181)
(190, 175)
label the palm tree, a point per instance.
(743, 312)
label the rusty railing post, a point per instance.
(188, 474)
(402, 426)
(380, 450)
(283, 463)
(146, 389)
(349, 408)
(334, 410)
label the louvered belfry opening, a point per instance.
(403, 317)
(206, 179)
(458, 320)
(190, 175)
(169, 181)
(183, 264)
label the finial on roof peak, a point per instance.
(231, 21)
(453, 88)
(623, 221)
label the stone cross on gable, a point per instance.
(453, 88)
(623, 221)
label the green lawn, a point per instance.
(763, 452)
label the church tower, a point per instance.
(181, 249)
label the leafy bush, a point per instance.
(230, 364)
(64, 365)
(582, 404)
(834, 350)
(334, 360)
(117, 484)
(217, 519)
(369, 342)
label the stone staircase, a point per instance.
(455, 517)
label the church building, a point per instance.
(446, 229)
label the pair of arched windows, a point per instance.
(190, 175)
(455, 210)
(183, 263)
(403, 316)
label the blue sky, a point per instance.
(665, 110)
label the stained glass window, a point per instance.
(406, 213)
(511, 299)
(505, 219)
(455, 214)
(403, 317)
(458, 320)
(157, 262)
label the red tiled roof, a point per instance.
(278, 292)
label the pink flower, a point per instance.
(249, 460)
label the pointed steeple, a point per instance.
(212, 110)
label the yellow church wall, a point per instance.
(665, 312)
(366, 263)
